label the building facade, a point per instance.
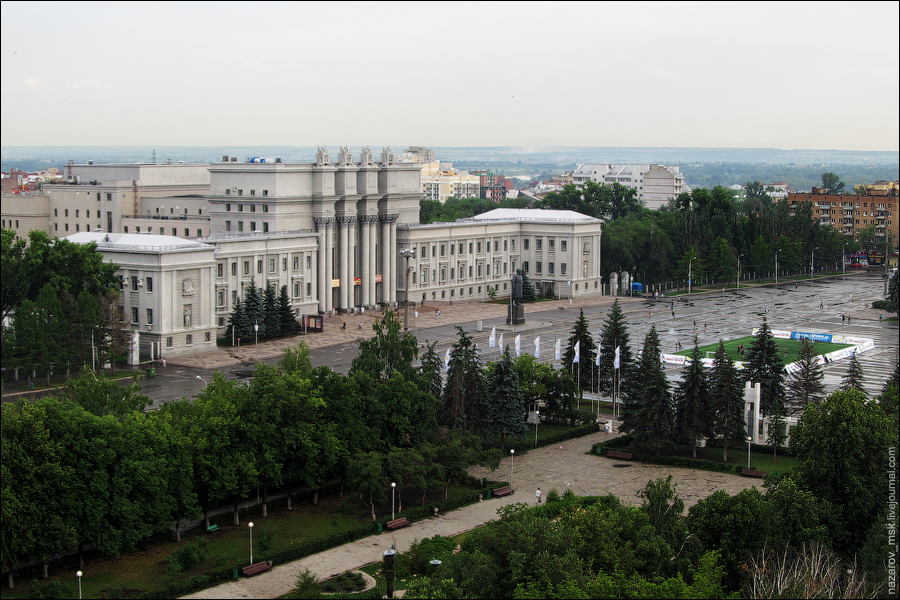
(440, 181)
(850, 214)
(655, 184)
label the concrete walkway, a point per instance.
(548, 468)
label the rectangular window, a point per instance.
(149, 316)
(109, 197)
(296, 290)
(134, 282)
(207, 337)
(422, 253)
(537, 267)
(284, 263)
(462, 248)
(228, 191)
(525, 243)
(470, 271)
(188, 339)
(479, 247)
(233, 268)
(187, 232)
(134, 314)
(227, 206)
(309, 289)
(259, 266)
(240, 226)
(525, 266)
(504, 245)
(433, 251)
(562, 245)
(149, 284)
(551, 244)
(452, 249)
(265, 228)
(199, 233)
(550, 269)
(233, 297)
(67, 212)
(271, 265)
(296, 263)
(496, 245)
(252, 225)
(562, 268)
(220, 297)
(538, 243)
(470, 247)
(169, 342)
(246, 267)
(240, 208)
(512, 245)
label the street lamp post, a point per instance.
(78, 575)
(512, 461)
(205, 383)
(256, 335)
(393, 487)
(251, 542)
(537, 421)
(844, 261)
(749, 440)
(776, 268)
(812, 264)
(406, 253)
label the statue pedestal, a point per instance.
(516, 315)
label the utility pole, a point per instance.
(406, 253)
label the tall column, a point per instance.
(371, 224)
(385, 259)
(392, 251)
(325, 225)
(344, 262)
(364, 271)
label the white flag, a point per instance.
(447, 360)
(577, 357)
(519, 345)
(557, 351)
(416, 313)
(492, 341)
(501, 343)
(597, 359)
(537, 347)
(616, 359)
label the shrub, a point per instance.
(51, 589)
(188, 557)
(420, 554)
(552, 496)
(264, 539)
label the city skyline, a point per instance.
(760, 75)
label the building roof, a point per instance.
(533, 214)
(134, 241)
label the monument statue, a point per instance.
(516, 314)
(518, 283)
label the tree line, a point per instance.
(262, 314)
(90, 467)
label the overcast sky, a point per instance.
(783, 75)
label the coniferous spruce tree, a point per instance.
(270, 310)
(805, 385)
(253, 307)
(239, 323)
(693, 417)
(506, 400)
(614, 334)
(854, 377)
(527, 288)
(286, 318)
(763, 366)
(430, 370)
(726, 394)
(647, 411)
(465, 403)
(584, 369)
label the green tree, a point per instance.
(842, 449)
(296, 360)
(176, 452)
(506, 401)
(722, 266)
(465, 391)
(255, 311)
(430, 370)
(832, 184)
(271, 312)
(101, 396)
(853, 379)
(389, 351)
(581, 336)
(804, 385)
(693, 416)
(726, 398)
(893, 297)
(365, 474)
(777, 428)
(763, 366)
(613, 335)
(528, 289)
(286, 318)
(647, 411)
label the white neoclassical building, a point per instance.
(330, 231)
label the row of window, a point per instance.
(453, 293)
(551, 268)
(297, 289)
(220, 268)
(162, 230)
(551, 244)
(425, 274)
(136, 282)
(240, 226)
(240, 192)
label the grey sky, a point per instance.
(785, 75)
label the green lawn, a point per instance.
(760, 461)
(791, 347)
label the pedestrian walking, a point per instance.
(879, 315)
(848, 319)
(695, 324)
(650, 312)
(164, 364)
(673, 313)
(344, 326)
(608, 427)
(821, 305)
(767, 309)
(842, 317)
(537, 495)
(360, 326)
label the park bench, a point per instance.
(503, 491)
(753, 473)
(212, 528)
(617, 454)
(259, 567)
(398, 523)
